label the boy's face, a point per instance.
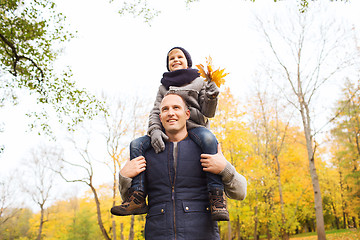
(177, 60)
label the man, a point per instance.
(176, 183)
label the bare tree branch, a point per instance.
(18, 58)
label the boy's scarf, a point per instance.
(179, 77)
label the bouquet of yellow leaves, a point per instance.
(216, 76)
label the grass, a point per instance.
(342, 234)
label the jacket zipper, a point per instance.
(173, 200)
(173, 190)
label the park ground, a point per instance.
(343, 234)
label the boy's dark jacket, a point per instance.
(177, 195)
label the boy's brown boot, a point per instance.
(134, 204)
(218, 207)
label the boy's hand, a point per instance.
(157, 141)
(211, 90)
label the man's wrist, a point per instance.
(121, 176)
(227, 173)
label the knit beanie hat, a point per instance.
(187, 55)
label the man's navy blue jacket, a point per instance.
(177, 195)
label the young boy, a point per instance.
(201, 98)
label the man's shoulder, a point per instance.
(186, 144)
(190, 146)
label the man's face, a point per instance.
(177, 60)
(173, 114)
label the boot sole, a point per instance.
(220, 217)
(138, 211)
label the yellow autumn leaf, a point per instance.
(216, 76)
(209, 65)
(201, 70)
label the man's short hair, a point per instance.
(183, 99)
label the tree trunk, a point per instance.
(284, 234)
(114, 201)
(229, 230)
(113, 227)
(220, 232)
(336, 217)
(256, 220)
(268, 233)
(131, 232)
(342, 198)
(354, 222)
(305, 115)
(41, 222)
(268, 200)
(344, 220)
(238, 228)
(98, 210)
(122, 231)
(320, 226)
(337, 222)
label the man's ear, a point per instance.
(187, 114)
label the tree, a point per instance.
(116, 128)
(2, 147)
(82, 228)
(72, 218)
(346, 151)
(142, 8)
(270, 126)
(109, 134)
(83, 224)
(16, 227)
(7, 197)
(31, 36)
(256, 139)
(12, 219)
(232, 133)
(137, 129)
(120, 124)
(84, 169)
(318, 53)
(277, 152)
(38, 178)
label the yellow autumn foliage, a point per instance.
(216, 76)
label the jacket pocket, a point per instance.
(195, 206)
(156, 221)
(198, 223)
(158, 209)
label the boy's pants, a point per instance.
(200, 135)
